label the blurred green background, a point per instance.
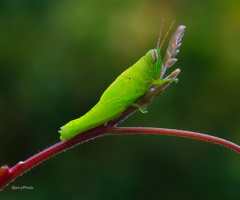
(56, 59)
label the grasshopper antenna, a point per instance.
(160, 33)
(166, 35)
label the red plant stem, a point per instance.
(7, 175)
(173, 132)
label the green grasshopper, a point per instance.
(128, 87)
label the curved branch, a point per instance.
(7, 175)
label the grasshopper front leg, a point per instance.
(160, 81)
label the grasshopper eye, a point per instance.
(154, 55)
